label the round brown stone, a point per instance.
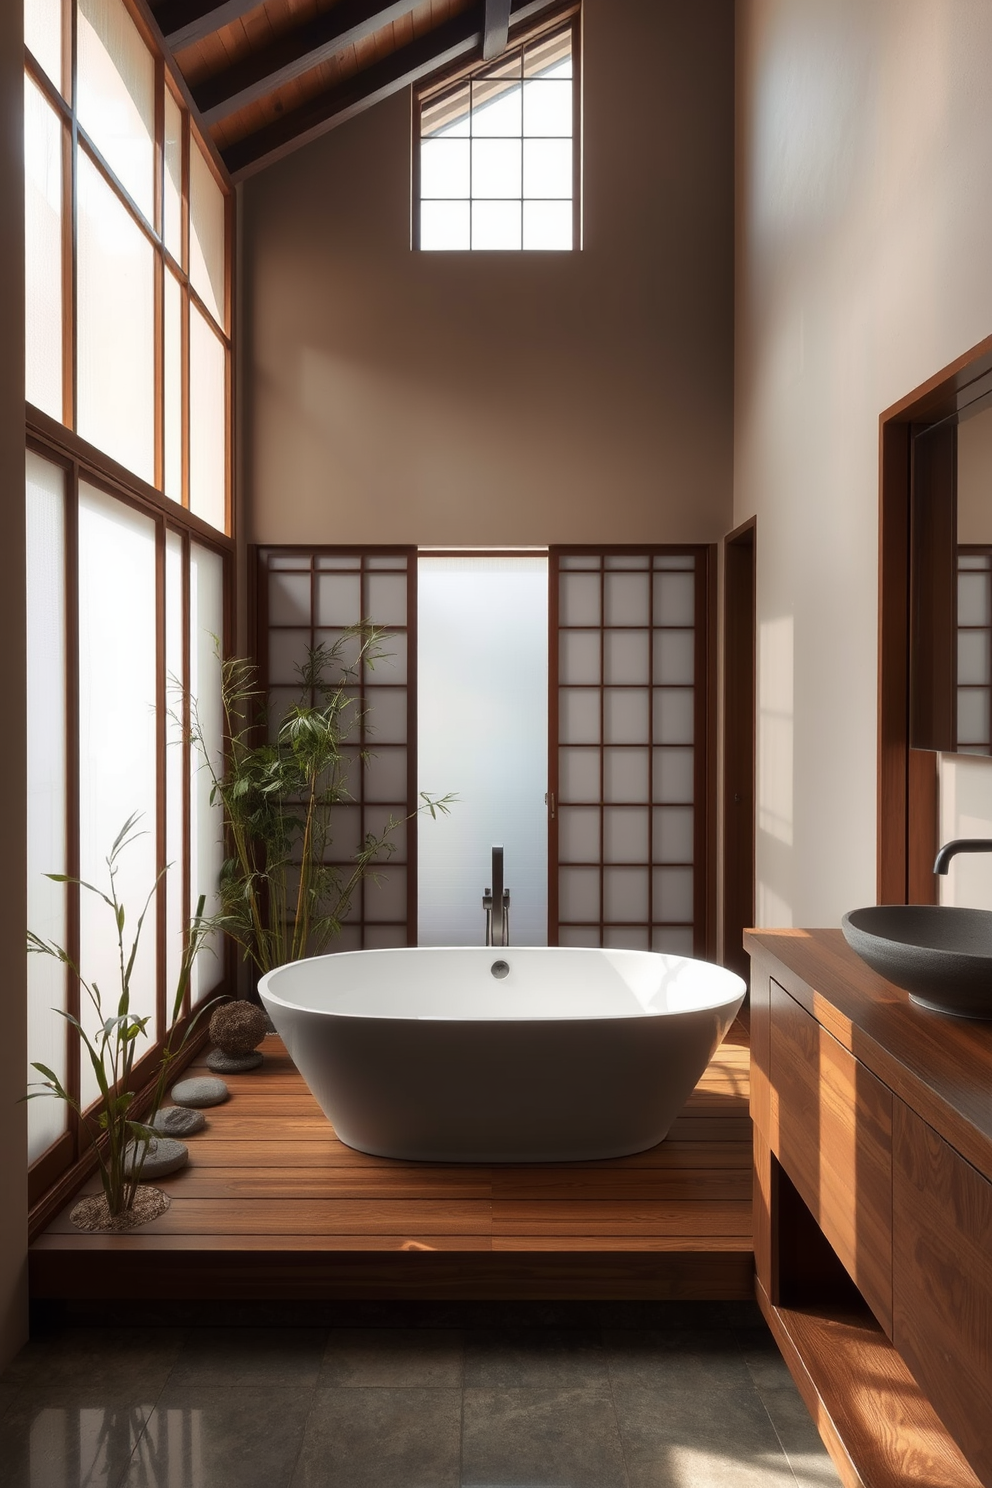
(238, 1027)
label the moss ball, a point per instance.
(238, 1027)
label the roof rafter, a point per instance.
(496, 29)
(184, 21)
(297, 52)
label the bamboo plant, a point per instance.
(118, 1137)
(280, 900)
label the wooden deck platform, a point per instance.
(273, 1205)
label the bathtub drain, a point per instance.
(500, 969)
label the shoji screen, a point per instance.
(307, 597)
(631, 771)
(974, 660)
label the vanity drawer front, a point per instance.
(831, 1129)
(942, 1282)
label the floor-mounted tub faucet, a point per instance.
(496, 903)
(960, 844)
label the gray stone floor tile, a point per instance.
(220, 1436)
(685, 1316)
(381, 1438)
(395, 1358)
(538, 1437)
(127, 1362)
(250, 1357)
(536, 1358)
(761, 1355)
(28, 1363)
(701, 1360)
(66, 1435)
(699, 1438)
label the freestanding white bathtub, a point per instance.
(516, 1054)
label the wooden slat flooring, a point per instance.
(273, 1205)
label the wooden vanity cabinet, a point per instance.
(873, 1211)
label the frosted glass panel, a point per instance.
(974, 592)
(386, 900)
(43, 253)
(628, 599)
(625, 830)
(973, 658)
(289, 599)
(385, 598)
(385, 775)
(386, 709)
(176, 909)
(578, 716)
(116, 95)
(483, 687)
(674, 598)
(117, 774)
(578, 893)
(674, 658)
(339, 599)
(172, 221)
(673, 834)
(43, 38)
(578, 834)
(673, 775)
(625, 775)
(973, 716)
(625, 893)
(46, 774)
(116, 329)
(673, 890)
(626, 657)
(674, 716)
(173, 391)
(287, 651)
(579, 599)
(578, 775)
(206, 630)
(206, 234)
(207, 423)
(579, 656)
(673, 940)
(627, 716)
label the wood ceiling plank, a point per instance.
(182, 22)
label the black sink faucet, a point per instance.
(960, 844)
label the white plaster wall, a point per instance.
(864, 223)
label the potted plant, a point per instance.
(119, 1138)
(279, 899)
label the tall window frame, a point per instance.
(443, 91)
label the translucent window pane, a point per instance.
(116, 95)
(496, 168)
(496, 108)
(673, 895)
(548, 106)
(578, 599)
(974, 592)
(625, 836)
(289, 598)
(386, 900)
(626, 937)
(673, 834)
(625, 775)
(973, 716)
(339, 599)
(324, 560)
(172, 219)
(207, 234)
(673, 562)
(578, 935)
(973, 658)
(116, 327)
(43, 38)
(627, 716)
(206, 630)
(584, 561)
(579, 656)
(391, 666)
(117, 746)
(375, 819)
(385, 774)
(627, 598)
(578, 716)
(483, 734)
(625, 894)
(495, 225)
(626, 562)
(385, 599)
(626, 656)
(173, 399)
(395, 562)
(444, 226)
(176, 907)
(673, 940)
(674, 775)
(578, 893)
(548, 168)
(207, 422)
(674, 598)
(578, 834)
(674, 715)
(674, 657)
(548, 225)
(287, 651)
(46, 784)
(43, 253)
(578, 775)
(444, 168)
(387, 712)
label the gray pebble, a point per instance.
(178, 1121)
(163, 1156)
(201, 1090)
(233, 1064)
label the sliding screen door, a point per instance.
(632, 789)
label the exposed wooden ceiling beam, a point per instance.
(410, 64)
(184, 21)
(496, 29)
(300, 50)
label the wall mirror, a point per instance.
(950, 591)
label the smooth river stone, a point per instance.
(163, 1156)
(233, 1064)
(178, 1121)
(201, 1090)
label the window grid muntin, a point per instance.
(976, 561)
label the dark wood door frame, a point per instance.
(907, 777)
(739, 679)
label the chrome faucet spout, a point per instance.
(496, 903)
(959, 845)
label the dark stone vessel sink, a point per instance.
(940, 955)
